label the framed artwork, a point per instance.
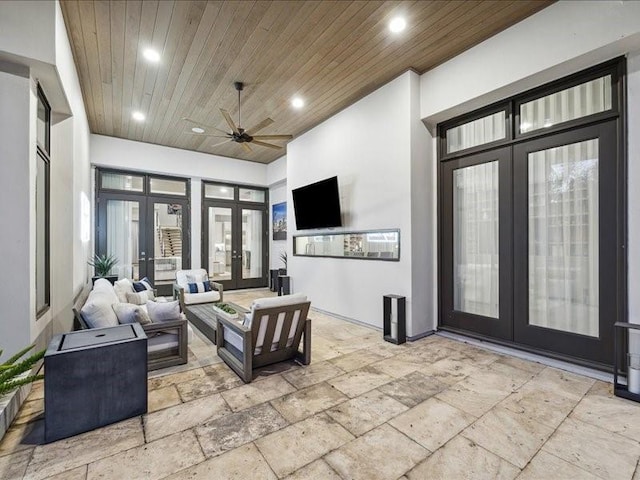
(279, 219)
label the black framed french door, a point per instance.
(476, 244)
(148, 235)
(566, 242)
(235, 242)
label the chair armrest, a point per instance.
(160, 327)
(178, 294)
(233, 325)
(217, 286)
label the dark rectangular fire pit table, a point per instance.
(204, 318)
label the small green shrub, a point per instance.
(103, 264)
(10, 370)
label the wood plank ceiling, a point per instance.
(331, 53)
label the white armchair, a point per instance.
(188, 291)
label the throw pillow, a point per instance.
(140, 298)
(130, 313)
(200, 287)
(97, 311)
(161, 312)
(142, 285)
(122, 287)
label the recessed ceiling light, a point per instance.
(197, 130)
(139, 116)
(297, 102)
(397, 24)
(151, 55)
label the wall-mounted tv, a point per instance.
(317, 205)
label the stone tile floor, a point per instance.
(364, 409)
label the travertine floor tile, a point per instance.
(257, 392)
(291, 448)
(613, 414)
(235, 429)
(79, 473)
(545, 465)
(73, 452)
(382, 454)
(312, 374)
(526, 365)
(242, 463)
(162, 398)
(603, 453)
(413, 389)
(151, 461)
(22, 437)
(430, 353)
(318, 470)
(432, 423)
(29, 411)
(302, 404)
(175, 378)
(360, 381)
(463, 459)
(601, 388)
(217, 378)
(184, 416)
(565, 383)
(398, 367)
(37, 390)
(450, 370)
(512, 436)
(356, 360)
(366, 412)
(545, 406)
(12, 467)
(479, 392)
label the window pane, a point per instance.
(120, 181)
(220, 252)
(123, 237)
(250, 195)
(167, 255)
(475, 239)
(218, 191)
(42, 260)
(478, 132)
(563, 238)
(575, 102)
(41, 125)
(252, 235)
(168, 187)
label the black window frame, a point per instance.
(43, 154)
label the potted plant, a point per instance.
(283, 258)
(225, 310)
(11, 372)
(102, 265)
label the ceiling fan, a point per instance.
(239, 134)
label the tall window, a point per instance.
(42, 204)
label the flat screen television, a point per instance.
(317, 205)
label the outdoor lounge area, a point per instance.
(319, 239)
(363, 409)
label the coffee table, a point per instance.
(204, 318)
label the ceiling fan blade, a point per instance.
(229, 120)
(206, 135)
(200, 124)
(220, 143)
(265, 144)
(264, 123)
(246, 147)
(273, 137)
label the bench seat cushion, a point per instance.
(205, 297)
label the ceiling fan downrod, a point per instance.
(239, 86)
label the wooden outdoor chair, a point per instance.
(270, 333)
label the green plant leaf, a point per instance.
(18, 355)
(8, 386)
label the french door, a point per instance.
(530, 243)
(235, 236)
(147, 232)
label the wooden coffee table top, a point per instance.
(205, 310)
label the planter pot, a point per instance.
(282, 271)
(112, 278)
(223, 314)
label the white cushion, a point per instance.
(184, 277)
(97, 311)
(122, 287)
(131, 313)
(103, 286)
(205, 297)
(161, 312)
(271, 302)
(234, 338)
(161, 342)
(140, 298)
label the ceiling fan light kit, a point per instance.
(238, 134)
